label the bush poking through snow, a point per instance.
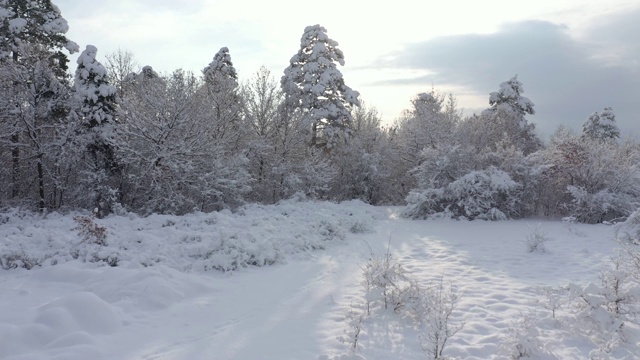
(89, 231)
(355, 319)
(535, 240)
(256, 235)
(434, 317)
(608, 313)
(17, 260)
(389, 285)
(387, 282)
(523, 339)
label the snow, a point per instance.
(17, 25)
(164, 301)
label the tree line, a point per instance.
(116, 137)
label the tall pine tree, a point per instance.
(33, 66)
(97, 115)
(313, 84)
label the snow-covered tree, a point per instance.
(589, 179)
(313, 84)
(94, 91)
(601, 126)
(505, 120)
(29, 22)
(262, 98)
(509, 97)
(39, 118)
(28, 26)
(364, 163)
(426, 129)
(173, 164)
(120, 64)
(97, 112)
(224, 101)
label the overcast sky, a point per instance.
(573, 57)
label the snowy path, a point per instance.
(293, 310)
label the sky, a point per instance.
(573, 57)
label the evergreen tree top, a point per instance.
(25, 22)
(601, 126)
(509, 96)
(221, 66)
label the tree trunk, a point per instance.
(41, 203)
(15, 150)
(15, 170)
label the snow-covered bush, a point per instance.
(608, 312)
(535, 240)
(629, 230)
(589, 179)
(17, 259)
(89, 231)
(523, 339)
(256, 235)
(433, 315)
(596, 207)
(387, 283)
(488, 194)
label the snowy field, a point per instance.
(286, 282)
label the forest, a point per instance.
(112, 137)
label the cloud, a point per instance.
(567, 78)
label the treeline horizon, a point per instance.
(120, 138)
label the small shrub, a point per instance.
(389, 285)
(523, 339)
(629, 230)
(360, 227)
(387, 282)
(89, 231)
(434, 318)
(604, 311)
(535, 240)
(330, 230)
(17, 260)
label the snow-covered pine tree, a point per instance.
(25, 25)
(225, 104)
(30, 22)
(506, 115)
(97, 114)
(39, 117)
(313, 84)
(602, 126)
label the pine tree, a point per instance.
(26, 25)
(221, 84)
(601, 126)
(505, 119)
(509, 97)
(39, 120)
(97, 115)
(313, 84)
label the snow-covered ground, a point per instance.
(188, 287)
